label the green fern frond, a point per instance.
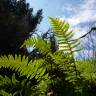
(29, 69)
(4, 81)
(87, 70)
(37, 42)
(64, 35)
(65, 41)
(4, 93)
(62, 60)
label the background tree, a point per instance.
(17, 23)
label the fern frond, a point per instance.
(4, 93)
(87, 70)
(37, 42)
(64, 35)
(29, 69)
(4, 81)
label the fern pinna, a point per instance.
(37, 42)
(5, 82)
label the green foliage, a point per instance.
(4, 93)
(57, 63)
(87, 69)
(22, 66)
(32, 70)
(60, 63)
(64, 39)
(7, 81)
(64, 35)
(37, 42)
(42, 88)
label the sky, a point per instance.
(80, 14)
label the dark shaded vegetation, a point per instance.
(17, 23)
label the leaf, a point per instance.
(4, 93)
(61, 31)
(14, 79)
(29, 70)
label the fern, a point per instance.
(22, 66)
(64, 35)
(4, 93)
(88, 70)
(4, 81)
(64, 39)
(37, 42)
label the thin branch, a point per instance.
(92, 29)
